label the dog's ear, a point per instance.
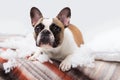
(64, 16)
(35, 15)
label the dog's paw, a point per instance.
(43, 57)
(32, 58)
(40, 56)
(35, 55)
(65, 65)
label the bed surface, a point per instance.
(29, 70)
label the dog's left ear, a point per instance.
(64, 16)
(35, 15)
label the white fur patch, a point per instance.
(47, 22)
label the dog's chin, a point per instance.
(46, 45)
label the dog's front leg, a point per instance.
(82, 57)
(34, 55)
(40, 56)
(38, 52)
(66, 64)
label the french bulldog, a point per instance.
(57, 37)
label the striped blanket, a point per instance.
(104, 71)
(36, 71)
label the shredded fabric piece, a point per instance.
(10, 65)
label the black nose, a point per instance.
(45, 32)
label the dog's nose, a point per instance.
(46, 32)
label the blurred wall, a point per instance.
(91, 16)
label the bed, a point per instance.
(34, 70)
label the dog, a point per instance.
(57, 37)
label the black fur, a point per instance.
(56, 32)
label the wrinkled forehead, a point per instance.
(48, 21)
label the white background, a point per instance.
(91, 16)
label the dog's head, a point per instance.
(49, 33)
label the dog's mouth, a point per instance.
(45, 41)
(46, 45)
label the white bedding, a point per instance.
(106, 46)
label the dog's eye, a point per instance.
(54, 28)
(39, 27)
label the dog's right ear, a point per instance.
(64, 16)
(35, 15)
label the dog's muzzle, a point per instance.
(45, 39)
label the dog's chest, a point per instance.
(67, 47)
(58, 54)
